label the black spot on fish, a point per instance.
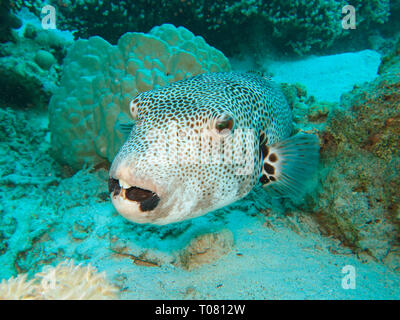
(262, 136)
(265, 150)
(150, 203)
(269, 169)
(148, 200)
(113, 186)
(273, 157)
(264, 179)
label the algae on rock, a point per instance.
(360, 186)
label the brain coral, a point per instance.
(100, 79)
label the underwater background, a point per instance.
(65, 90)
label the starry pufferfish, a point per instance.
(202, 143)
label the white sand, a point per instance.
(326, 77)
(274, 264)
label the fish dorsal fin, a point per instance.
(257, 72)
(260, 74)
(289, 164)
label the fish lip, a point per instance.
(139, 184)
(121, 171)
(124, 185)
(146, 199)
(130, 210)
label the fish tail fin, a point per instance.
(289, 164)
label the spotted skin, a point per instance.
(193, 186)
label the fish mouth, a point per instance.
(146, 199)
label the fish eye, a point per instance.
(134, 108)
(224, 122)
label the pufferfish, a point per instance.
(202, 143)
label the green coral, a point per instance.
(300, 26)
(8, 21)
(44, 59)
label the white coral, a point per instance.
(66, 281)
(18, 288)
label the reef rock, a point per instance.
(358, 202)
(391, 62)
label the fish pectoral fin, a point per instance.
(125, 128)
(289, 164)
